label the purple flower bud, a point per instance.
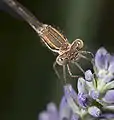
(43, 116)
(70, 92)
(88, 75)
(94, 94)
(94, 111)
(71, 97)
(81, 85)
(52, 111)
(109, 96)
(82, 100)
(101, 59)
(51, 108)
(64, 110)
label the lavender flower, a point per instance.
(94, 99)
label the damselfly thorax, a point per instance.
(53, 39)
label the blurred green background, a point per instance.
(27, 79)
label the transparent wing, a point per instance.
(24, 13)
(4, 7)
(49, 35)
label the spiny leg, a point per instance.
(70, 73)
(56, 71)
(84, 57)
(79, 67)
(64, 74)
(87, 52)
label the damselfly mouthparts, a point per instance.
(53, 39)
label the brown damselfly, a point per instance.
(53, 39)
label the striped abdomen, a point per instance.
(52, 38)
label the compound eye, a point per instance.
(80, 43)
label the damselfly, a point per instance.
(53, 39)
